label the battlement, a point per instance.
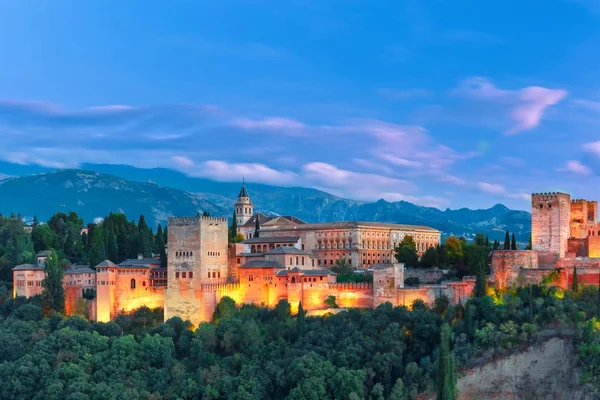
(183, 221)
(221, 287)
(548, 196)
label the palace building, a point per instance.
(288, 260)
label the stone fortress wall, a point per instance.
(565, 237)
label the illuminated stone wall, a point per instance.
(506, 265)
(550, 222)
(425, 275)
(27, 283)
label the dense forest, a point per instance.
(250, 352)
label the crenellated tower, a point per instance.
(243, 206)
(550, 222)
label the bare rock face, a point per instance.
(544, 371)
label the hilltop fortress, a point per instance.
(565, 234)
(282, 258)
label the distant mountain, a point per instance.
(93, 195)
(159, 193)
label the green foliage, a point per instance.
(408, 241)
(506, 241)
(53, 293)
(407, 255)
(454, 250)
(480, 283)
(412, 281)
(574, 283)
(430, 258)
(330, 302)
(446, 378)
(513, 243)
(342, 267)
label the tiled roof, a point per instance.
(28, 267)
(317, 272)
(288, 250)
(272, 239)
(251, 254)
(141, 261)
(79, 269)
(106, 263)
(44, 253)
(355, 225)
(266, 220)
(295, 269)
(243, 192)
(262, 264)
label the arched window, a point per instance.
(293, 279)
(296, 260)
(133, 283)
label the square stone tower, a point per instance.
(197, 256)
(550, 222)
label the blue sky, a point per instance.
(442, 103)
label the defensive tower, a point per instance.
(550, 222)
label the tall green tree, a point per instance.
(446, 377)
(257, 227)
(97, 246)
(408, 241)
(507, 241)
(145, 238)
(430, 258)
(301, 320)
(480, 282)
(574, 283)
(407, 255)
(513, 243)
(160, 246)
(53, 293)
(233, 226)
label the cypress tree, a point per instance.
(513, 243)
(53, 293)
(233, 227)
(166, 234)
(145, 238)
(446, 379)
(301, 320)
(160, 246)
(206, 214)
(574, 284)
(257, 227)
(530, 303)
(507, 241)
(598, 300)
(469, 320)
(480, 282)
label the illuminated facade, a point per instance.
(565, 235)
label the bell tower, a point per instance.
(243, 206)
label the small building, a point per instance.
(42, 256)
(27, 280)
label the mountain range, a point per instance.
(97, 189)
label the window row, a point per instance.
(184, 253)
(183, 275)
(214, 253)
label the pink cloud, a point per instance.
(491, 188)
(576, 167)
(284, 125)
(526, 107)
(182, 161)
(225, 171)
(593, 147)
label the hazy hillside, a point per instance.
(136, 191)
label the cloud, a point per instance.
(575, 167)
(281, 125)
(593, 147)
(525, 107)
(364, 159)
(226, 171)
(491, 188)
(400, 95)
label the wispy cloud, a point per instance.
(491, 188)
(576, 167)
(524, 107)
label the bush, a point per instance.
(412, 281)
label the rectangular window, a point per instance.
(184, 275)
(219, 274)
(177, 275)
(191, 274)
(250, 278)
(214, 274)
(209, 274)
(321, 278)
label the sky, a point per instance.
(440, 103)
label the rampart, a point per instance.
(506, 265)
(425, 275)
